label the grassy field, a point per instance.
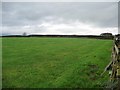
(55, 62)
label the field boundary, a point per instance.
(66, 36)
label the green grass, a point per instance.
(54, 62)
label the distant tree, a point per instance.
(24, 34)
(106, 34)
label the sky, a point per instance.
(63, 18)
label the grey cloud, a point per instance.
(102, 14)
(17, 15)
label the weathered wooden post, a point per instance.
(114, 66)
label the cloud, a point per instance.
(76, 28)
(59, 18)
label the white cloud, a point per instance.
(73, 27)
(59, 18)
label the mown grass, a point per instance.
(54, 62)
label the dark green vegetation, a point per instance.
(55, 62)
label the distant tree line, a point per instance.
(101, 36)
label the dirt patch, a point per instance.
(92, 71)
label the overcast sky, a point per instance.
(78, 18)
